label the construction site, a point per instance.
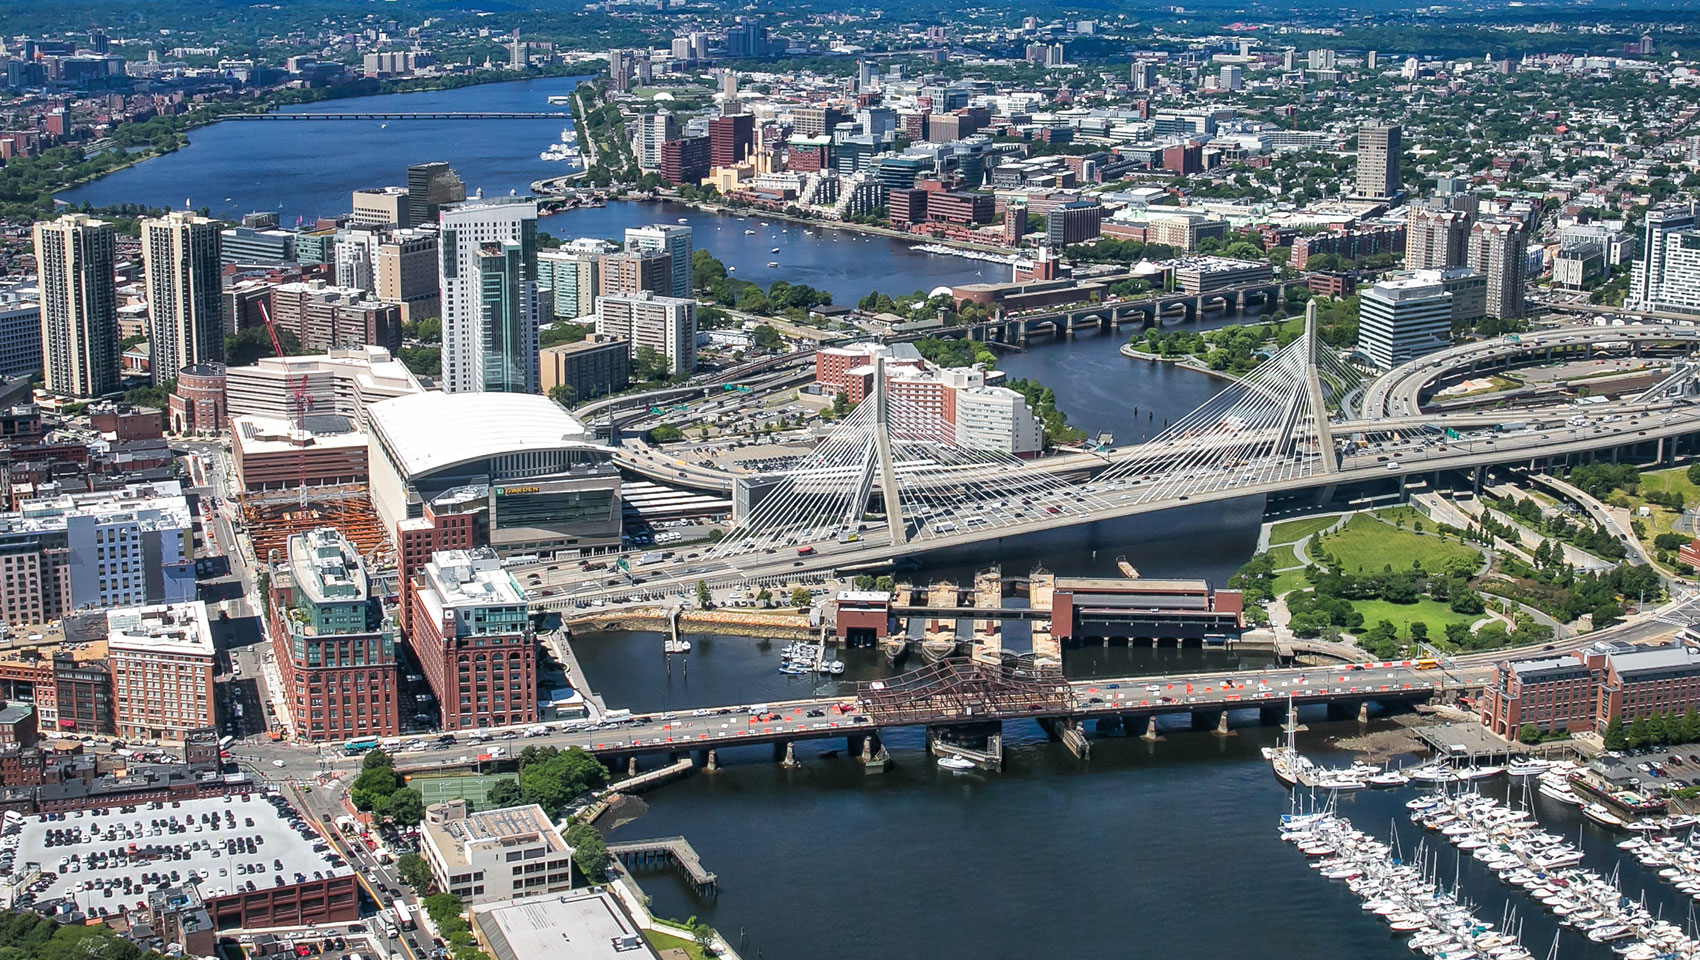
(306, 472)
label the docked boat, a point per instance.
(1560, 793)
(954, 762)
(1388, 778)
(1598, 813)
(1527, 767)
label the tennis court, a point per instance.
(436, 789)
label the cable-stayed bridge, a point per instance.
(894, 479)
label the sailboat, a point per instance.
(1285, 759)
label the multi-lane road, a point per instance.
(733, 725)
(783, 555)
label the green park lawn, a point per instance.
(1288, 581)
(1663, 520)
(662, 941)
(1402, 615)
(1292, 531)
(1368, 545)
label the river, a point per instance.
(306, 169)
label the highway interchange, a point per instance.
(1395, 451)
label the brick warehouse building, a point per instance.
(1589, 688)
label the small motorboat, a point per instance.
(954, 762)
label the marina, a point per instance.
(1406, 895)
(1510, 842)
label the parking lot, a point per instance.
(1659, 770)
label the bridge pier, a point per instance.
(872, 755)
(1151, 735)
(1344, 711)
(989, 755)
(1070, 732)
(787, 754)
(631, 767)
(711, 763)
(1222, 725)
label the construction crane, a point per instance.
(303, 400)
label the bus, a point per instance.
(224, 743)
(403, 918)
(1427, 663)
(362, 745)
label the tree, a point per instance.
(702, 933)
(377, 780)
(590, 851)
(705, 599)
(1467, 602)
(441, 908)
(414, 871)
(1614, 737)
(1458, 634)
(765, 337)
(800, 597)
(247, 346)
(563, 394)
(505, 793)
(649, 364)
(422, 361)
(1607, 614)
(404, 807)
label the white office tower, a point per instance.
(1666, 277)
(667, 325)
(1399, 320)
(488, 275)
(671, 239)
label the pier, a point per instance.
(988, 632)
(640, 854)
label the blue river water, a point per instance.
(306, 169)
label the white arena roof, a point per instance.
(429, 431)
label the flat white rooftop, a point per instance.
(583, 926)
